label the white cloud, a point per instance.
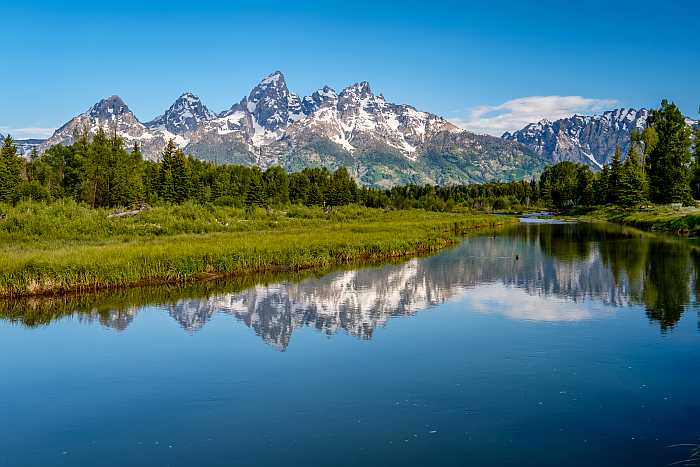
(25, 133)
(517, 113)
(518, 304)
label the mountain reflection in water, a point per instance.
(530, 271)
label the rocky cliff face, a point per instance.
(381, 143)
(587, 139)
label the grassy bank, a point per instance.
(64, 247)
(677, 220)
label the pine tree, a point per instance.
(181, 178)
(255, 193)
(10, 169)
(600, 186)
(166, 190)
(342, 188)
(633, 185)
(276, 183)
(315, 196)
(585, 186)
(669, 160)
(136, 192)
(615, 178)
(298, 188)
(695, 176)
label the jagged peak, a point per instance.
(183, 115)
(274, 77)
(362, 88)
(273, 80)
(188, 96)
(114, 103)
(189, 100)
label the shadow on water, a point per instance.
(615, 265)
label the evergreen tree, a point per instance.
(342, 188)
(565, 184)
(695, 176)
(615, 178)
(255, 193)
(600, 186)
(10, 169)
(97, 162)
(276, 185)
(669, 160)
(118, 174)
(633, 185)
(315, 197)
(136, 192)
(180, 176)
(166, 187)
(585, 186)
(298, 188)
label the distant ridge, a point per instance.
(587, 139)
(381, 143)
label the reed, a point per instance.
(65, 247)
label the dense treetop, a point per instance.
(662, 166)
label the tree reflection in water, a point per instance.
(557, 264)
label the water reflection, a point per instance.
(532, 271)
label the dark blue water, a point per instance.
(583, 351)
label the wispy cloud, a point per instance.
(518, 304)
(517, 113)
(25, 133)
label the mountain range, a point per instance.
(381, 143)
(588, 139)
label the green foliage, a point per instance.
(615, 178)
(62, 246)
(10, 169)
(669, 160)
(566, 184)
(99, 171)
(342, 189)
(633, 184)
(695, 175)
(276, 185)
(33, 191)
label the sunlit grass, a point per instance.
(680, 220)
(49, 249)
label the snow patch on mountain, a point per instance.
(589, 139)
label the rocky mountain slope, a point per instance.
(587, 139)
(24, 146)
(381, 143)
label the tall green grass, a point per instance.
(64, 247)
(679, 220)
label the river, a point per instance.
(544, 344)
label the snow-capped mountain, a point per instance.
(588, 139)
(113, 116)
(185, 115)
(381, 143)
(24, 146)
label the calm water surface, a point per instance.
(544, 345)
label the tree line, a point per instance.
(662, 167)
(100, 171)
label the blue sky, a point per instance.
(489, 66)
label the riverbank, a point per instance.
(63, 247)
(678, 220)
